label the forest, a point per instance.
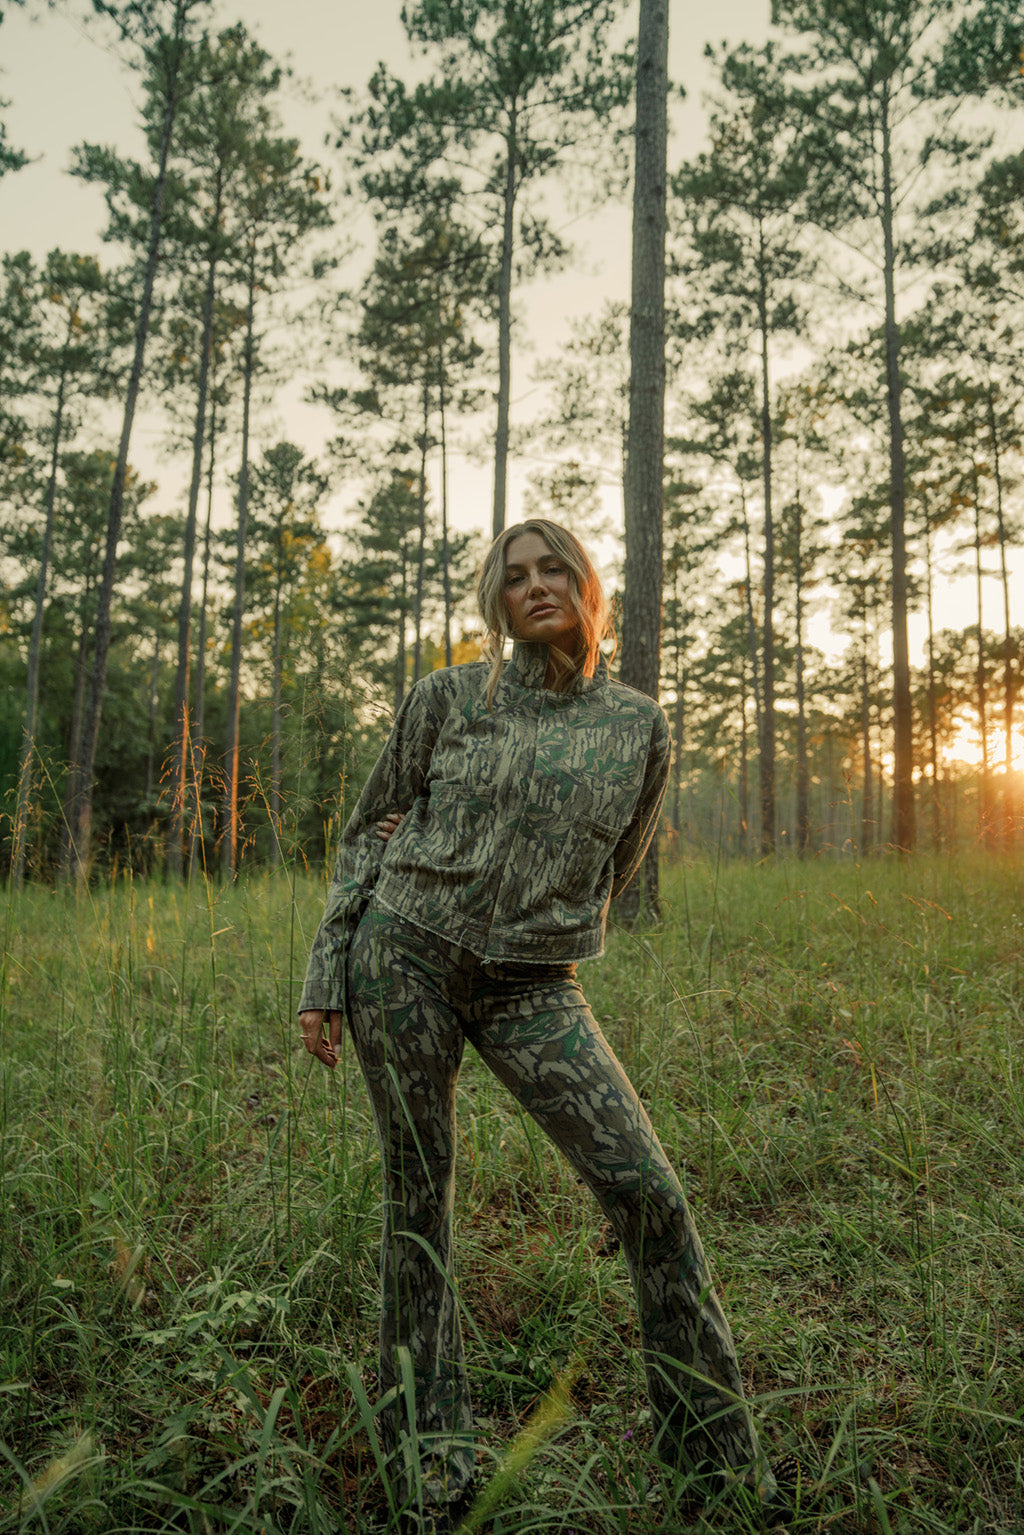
(843, 426)
(238, 523)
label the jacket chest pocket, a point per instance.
(458, 830)
(584, 867)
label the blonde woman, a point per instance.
(511, 802)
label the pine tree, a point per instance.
(66, 361)
(742, 201)
(227, 112)
(283, 203)
(416, 348)
(522, 87)
(284, 544)
(866, 76)
(162, 33)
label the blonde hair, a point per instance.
(585, 594)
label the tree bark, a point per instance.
(904, 816)
(1009, 681)
(748, 596)
(400, 647)
(867, 809)
(743, 786)
(981, 690)
(803, 775)
(644, 473)
(179, 788)
(421, 541)
(767, 736)
(75, 733)
(229, 844)
(933, 706)
(197, 839)
(446, 575)
(501, 434)
(278, 723)
(35, 645)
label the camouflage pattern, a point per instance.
(414, 999)
(520, 821)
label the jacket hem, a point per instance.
(521, 949)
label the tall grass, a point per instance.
(831, 1054)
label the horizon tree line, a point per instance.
(812, 459)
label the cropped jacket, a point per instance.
(521, 820)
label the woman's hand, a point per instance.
(321, 1034)
(387, 827)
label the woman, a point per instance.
(509, 805)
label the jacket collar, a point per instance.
(529, 664)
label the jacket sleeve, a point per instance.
(397, 780)
(638, 834)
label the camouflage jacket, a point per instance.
(521, 821)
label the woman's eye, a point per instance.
(511, 580)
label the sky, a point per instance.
(65, 84)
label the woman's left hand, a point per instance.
(321, 1034)
(389, 824)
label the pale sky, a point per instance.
(65, 85)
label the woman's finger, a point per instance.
(311, 1024)
(388, 825)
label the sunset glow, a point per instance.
(965, 747)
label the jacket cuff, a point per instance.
(321, 999)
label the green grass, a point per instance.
(832, 1056)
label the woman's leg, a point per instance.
(409, 1047)
(539, 1037)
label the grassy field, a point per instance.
(832, 1055)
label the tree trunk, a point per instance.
(803, 775)
(743, 788)
(903, 824)
(981, 691)
(446, 575)
(197, 840)
(767, 738)
(400, 656)
(83, 766)
(421, 542)
(229, 844)
(644, 475)
(933, 706)
(677, 726)
(501, 434)
(276, 732)
(35, 645)
(154, 699)
(867, 812)
(827, 797)
(748, 593)
(75, 734)
(179, 787)
(1009, 798)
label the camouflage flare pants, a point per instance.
(414, 1000)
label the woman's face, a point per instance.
(537, 586)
